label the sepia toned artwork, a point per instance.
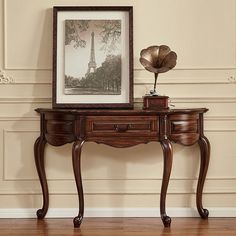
(92, 57)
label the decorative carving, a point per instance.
(4, 79)
(232, 79)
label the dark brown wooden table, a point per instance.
(122, 128)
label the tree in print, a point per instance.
(73, 30)
(110, 32)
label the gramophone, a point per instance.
(157, 59)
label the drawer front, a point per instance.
(59, 132)
(189, 126)
(184, 128)
(59, 127)
(122, 126)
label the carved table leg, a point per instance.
(205, 157)
(168, 156)
(76, 157)
(39, 162)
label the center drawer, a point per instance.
(122, 126)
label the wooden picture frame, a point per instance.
(92, 57)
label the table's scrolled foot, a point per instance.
(77, 221)
(204, 213)
(41, 213)
(166, 220)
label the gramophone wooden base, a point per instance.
(155, 102)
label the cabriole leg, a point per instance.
(76, 160)
(205, 157)
(168, 156)
(39, 147)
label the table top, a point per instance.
(134, 111)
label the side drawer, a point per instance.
(104, 126)
(59, 127)
(187, 126)
(184, 128)
(59, 131)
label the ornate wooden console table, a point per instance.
(122, 128)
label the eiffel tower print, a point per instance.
(92, 63)
(90, 72)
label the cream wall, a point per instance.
(203, 35)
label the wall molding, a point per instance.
(144, 81)
(195, 100)
(22, 118)
(126, 179)
(216, 76)
(16, 100)
(233, 67)
(5, 79)
(114, 187)
(191, 80)
(115, 212)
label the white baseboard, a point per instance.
(115, 212)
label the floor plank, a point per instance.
(118, 227)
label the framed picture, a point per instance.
(92, 57)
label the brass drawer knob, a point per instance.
(121, 128)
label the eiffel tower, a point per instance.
(92, 64)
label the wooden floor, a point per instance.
(119, 227)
